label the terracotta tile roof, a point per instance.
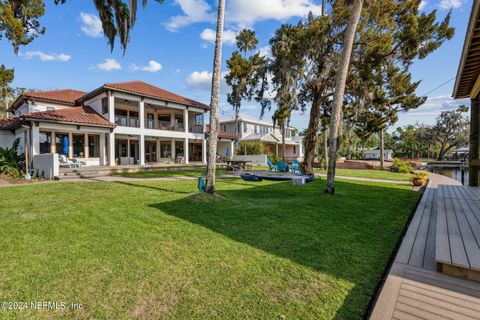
(8, 123)
(67, 96)
(143, 88)
(222, 134)
(77, 115)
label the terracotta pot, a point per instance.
(417, 182)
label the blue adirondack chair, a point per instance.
(271, 166)
(295, 167)
(282, 166)
(201, 184)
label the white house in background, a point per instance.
(375, 154)
(253, 129)
(117, 123)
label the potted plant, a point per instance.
(419, 178)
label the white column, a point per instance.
(85, 146)
(102, 149)
(204, 150)
(158, 150)
(142, 150)
(111, 107)
(172, 119)
(232, 146)
(155, 119)
(111, 149)
(70, 145)
(35, 140)
(53, 145)
(173, 150)
(185, 150)
(141, 115)
(185, 120)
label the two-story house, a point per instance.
(117, 123)
(253, 129)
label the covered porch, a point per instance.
(149, 150)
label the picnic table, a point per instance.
(236, 164)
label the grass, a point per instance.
(372, 174)
(170, 173)
(159, 249)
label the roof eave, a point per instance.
(66, 122)
(466, 46)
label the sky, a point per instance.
(172, 47)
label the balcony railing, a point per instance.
(127, 122)
(164, 125)
(196, 129)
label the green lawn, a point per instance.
(170, 173)
(159, 249)
(372, 174)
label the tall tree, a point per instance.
(286, 67)
(340, 83)
(6, 91)
(246, 74)
(216, 78)
(451, 130)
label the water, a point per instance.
(454, 173)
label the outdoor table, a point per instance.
(236, 164)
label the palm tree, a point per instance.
(216, 78)
(340, 82)
(246, 41)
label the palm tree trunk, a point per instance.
(340, 82)
(216, 77)
(382, 150)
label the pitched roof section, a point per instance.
(145, 89)
(222, 134)
(67, 96)
(77, 115)
(6, 124)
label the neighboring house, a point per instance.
(375, 155)
(256, 130)
(225, 142)
(117, 123)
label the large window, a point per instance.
(93, 146)
(165, 149)
(78, 145)
(150, 121)
(61, 143)
(45, 142)
(245, 127)
(105, 105)
(199, 119)
(179, 148)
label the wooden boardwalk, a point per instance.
(446, 225)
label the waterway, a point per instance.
(454, 173)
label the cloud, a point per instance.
(430, 110)
(46, 56)
(193, 11)
(209, 35)
(109, 65)
(248, 12)
(450, 4)
(91, 25)
(265, 51)
(422, 5)
(153, 66)
(202, 80)
(243, 13)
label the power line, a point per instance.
(438, 87)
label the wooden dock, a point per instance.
(442, 240)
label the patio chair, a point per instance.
(78, 163)
(64, 162)
(271, 166)
(282, 166)
(296, 167)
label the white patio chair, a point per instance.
(64, 162)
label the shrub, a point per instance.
(10, 161)
(401, 166)
(251, 148)
(273, 158)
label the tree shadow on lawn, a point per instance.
(349, 236)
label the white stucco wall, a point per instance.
(47, 165)
(38, 107)
(6, 138)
